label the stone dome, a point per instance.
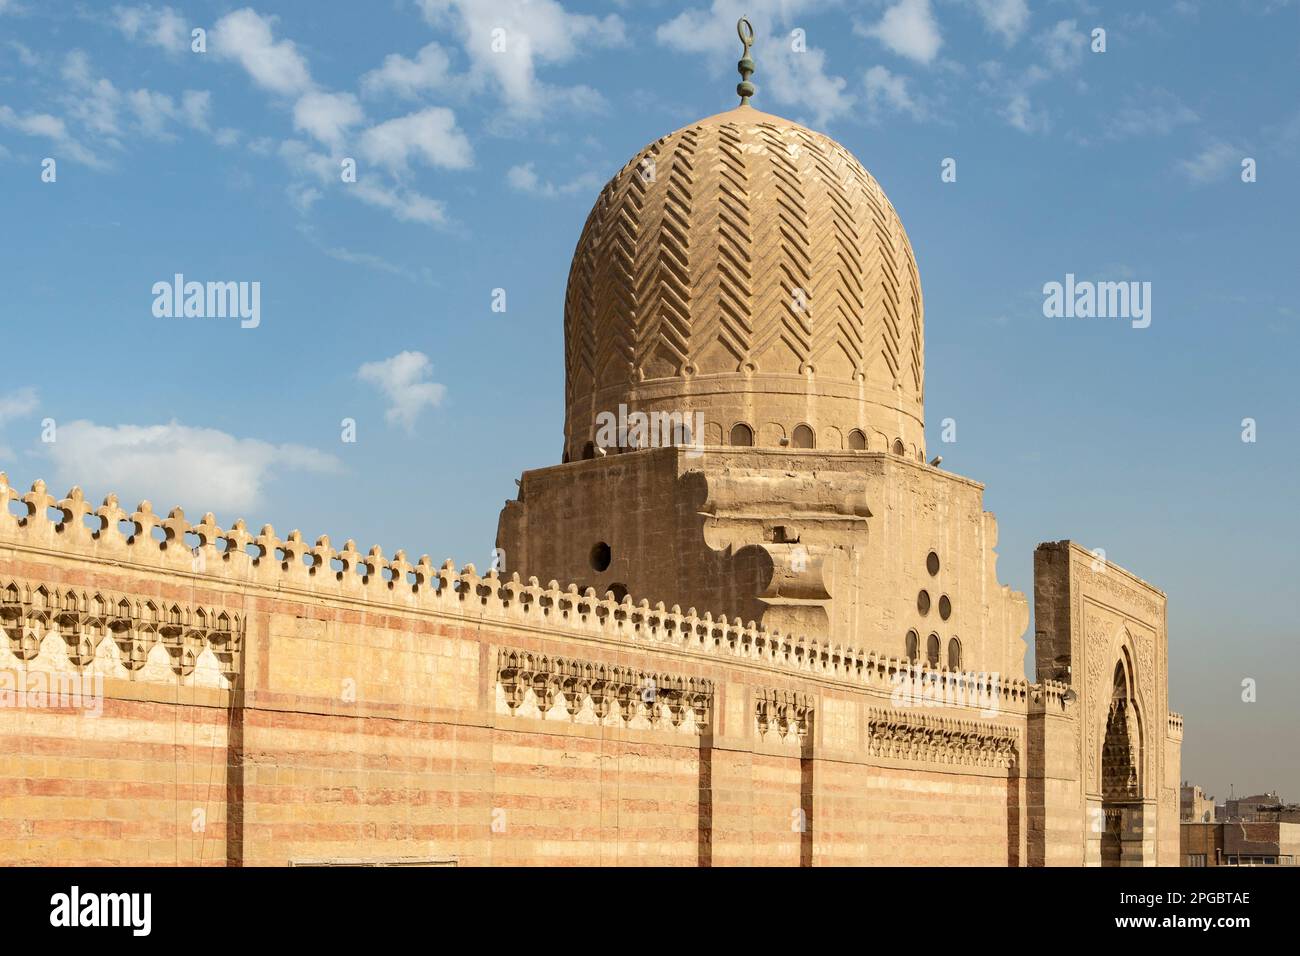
(751, 270)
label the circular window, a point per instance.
(600, 556)
(913, 645)
(923, 603)
(932, 563)
(945, 607)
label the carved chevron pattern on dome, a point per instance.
(743, 240)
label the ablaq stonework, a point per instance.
(750, 624)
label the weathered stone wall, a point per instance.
(832, 544)
(1091, 615)
(266, 702)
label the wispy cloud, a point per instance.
(524, 179)
(789, 77)
(429, 136)
(507, 40)
(406, 380)
(1214, 162)
(407, 78)
(1006, 18)
(908, 29)
(197, 468)
(888, 92)
(16, 404)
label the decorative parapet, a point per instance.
(783, 716)
(945, 740)
(110, 632)
(1052, 694)
(581, 692)
(204, 551)
(1175, 726)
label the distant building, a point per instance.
(1259, 830)
(1248, 809)
(1194, 805)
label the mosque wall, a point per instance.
(269, 702)
(858, 547)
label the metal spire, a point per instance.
(745, 30)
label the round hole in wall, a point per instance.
(923, 603)
(600, 556)
(932, 563)
(945, 607)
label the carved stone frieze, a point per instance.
(892, 733)
(31, 612)
(576, 691)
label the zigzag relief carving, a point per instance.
(581, 692)
(942, 740)
(110, 633)
(676, 268)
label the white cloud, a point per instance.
(25, 55)
(51, 128)
(524, 179)
(94, 102)
(783, 76)
(430, 69)
(422, 276)
(246, 37)
(887, 90)
(405, 205)
(18, 403)
(908, 29)
(405, 379)
(1007, 18)
(163, 28)
(1213, 162)
(506, 40)
(199, 468)
(1063, 46)
(327, 116)
(1019, 112)
(154, 110)
(1151, 111)
(430, 136)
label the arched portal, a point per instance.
(1121, 772)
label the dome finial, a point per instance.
(745, 30)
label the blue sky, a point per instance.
(476, 170)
